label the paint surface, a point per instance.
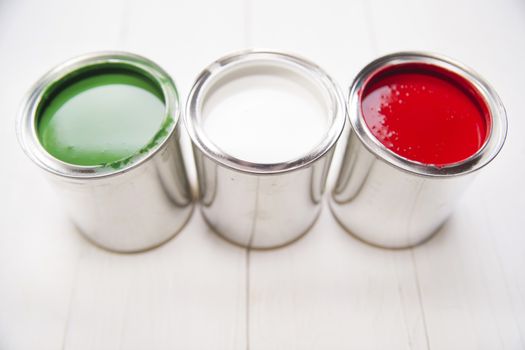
(265, 114)
(425, 114)
(101, 118)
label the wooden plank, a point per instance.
(189, 293)
(329, 290)
(39, 248)
(161, 299)
(471, 274)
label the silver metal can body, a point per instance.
(127, 208)
(261, 211)
(386, 206)
(390, 201)
(134, 211)
(262, 205)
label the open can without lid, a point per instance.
(130, 205)
(253, 203)
(388, 200)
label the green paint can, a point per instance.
(105, 127)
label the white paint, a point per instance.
(265, 114)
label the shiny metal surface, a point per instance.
(254, 204)
(131, 208)
(393, 202)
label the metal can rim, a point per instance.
(498, 123)
(26, 128)
(285, 60)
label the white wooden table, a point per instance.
(465, 289)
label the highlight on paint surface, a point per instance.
(103, 117)
(425, 113)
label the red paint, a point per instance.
(425, 113)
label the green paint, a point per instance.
(105, 117)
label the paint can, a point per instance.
(386, 195)
(262, 177)
(133, 202)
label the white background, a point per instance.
(465, 289)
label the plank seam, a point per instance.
(248, 260)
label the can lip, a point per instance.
(26, 121)
(297, 64)
(497, 124)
